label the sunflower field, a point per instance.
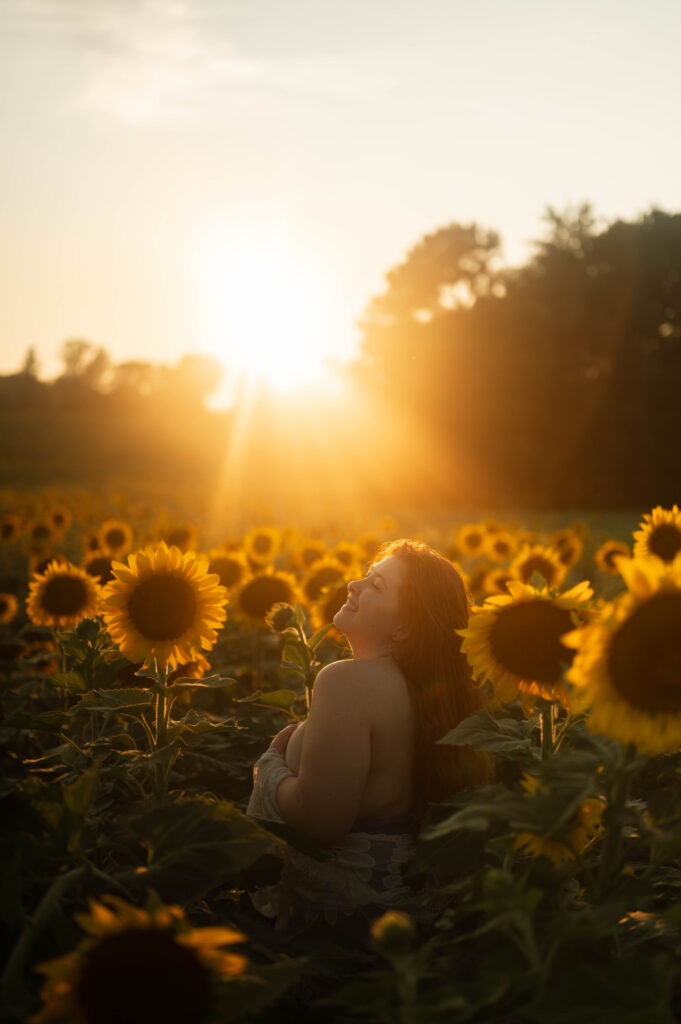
(147, 662)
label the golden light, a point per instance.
(263, 308)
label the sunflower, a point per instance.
(115, 537)
(495, 581)
(91, 542)
(575, 835)
(9, 606)
(62, 596)
(537, 558)
(331, 599)
(570, 551)
(607, 555)
(308, 551)
(99, 566)
(61, 518)
(138, 966)
(163, 604)
(628, 663)
(323, 574)
(183, 536)
(256, 595)
(659, 534)
(500, 545)
(229, 564)
(10, 528)
(514, 641)
(347, 554)
(40, 533)
(262, 544)
(368, 544)
(470, 539)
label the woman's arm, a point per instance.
(323, 800)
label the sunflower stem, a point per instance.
(161, 726)
(611, 851)
(547, 724)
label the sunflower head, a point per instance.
(163, 604)
(607, 554)
(138, 966)
(99, 565)
(280, 617)
(256, 596)
(262, 544)
(182, 535)
(543, 560)
(323, 574)
(9, 606)
(471, 539)
(330, 601)
(10, 528)
(115, 537)
(500, 545)
(628, 663)
(577, 833)
(62, 596)
(659, 534)
(307, 552)
(229, 564)
(61, 518)
(514, 641)
(38, 564)
(495, 581)
(40, 533)
(393, 932)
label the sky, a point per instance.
(236, 178)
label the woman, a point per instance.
(357, 775)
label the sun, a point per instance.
(264, 308)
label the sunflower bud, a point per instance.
(393, 933)
(280, 617)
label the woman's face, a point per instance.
(371, 617)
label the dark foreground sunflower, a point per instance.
(62, 596)
(139, 967)
(576, 834)
(627, 669)
(514, 640)
(163, 604)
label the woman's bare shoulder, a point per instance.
(361, 671)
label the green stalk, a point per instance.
(611, 851)
(548, 730)
(161, 726)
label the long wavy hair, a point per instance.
(434, 603)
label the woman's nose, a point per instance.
(353, 585)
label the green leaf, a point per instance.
(79, 795)
(317, 637)
(72, 681)
(214, 682)
(300, 616)
(504, 736)
(128, 699)
(296, 656)
(283, 700)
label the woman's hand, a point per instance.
(280, 741)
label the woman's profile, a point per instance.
(357, 776)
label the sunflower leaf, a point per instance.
(208, 682)
(317, 637)
(72, 681)
(129, 699)
(281, 699)
(504, 737)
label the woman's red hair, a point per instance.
(434, 604)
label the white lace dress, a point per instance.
(364, 868)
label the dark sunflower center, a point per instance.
(344, 557)
(162, 607)
(228, 569)
(100, 567)
(310, 556)
(537, 563)
(322, 578)
(41, 531)
(64, 595)
(7, 530)
(260, 594)
(644, 661)
(611, 555)
(115, 537)
(525, 640)
(474, 540)
(262, 544)
(58, 518)
(139, 977)
(501, 547)
(665, 541)
(93, 544)
(4, 606)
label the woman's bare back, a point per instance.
(388, 789)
